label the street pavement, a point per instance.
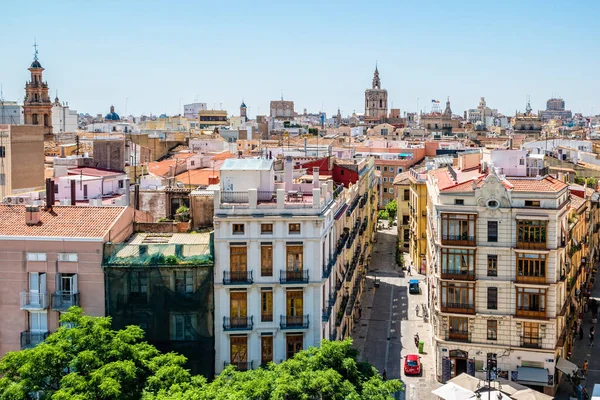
(389, 321)
(581, 352)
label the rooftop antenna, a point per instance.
(281, 94)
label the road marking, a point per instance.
(387, 347)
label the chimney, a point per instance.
(316, 177)
(32, 215)
(127, 192)
(49, 193)
(289, 173)
(73, 192)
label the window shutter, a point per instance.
(57, 283)
(34, 283)
(42, 278)
(75, 290)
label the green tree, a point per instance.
(328, 372)
(383, 214)
(392, 209)
(86, 359)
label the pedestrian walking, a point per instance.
(417, 310)
(409, 270)
(585, 367)
(591, 340)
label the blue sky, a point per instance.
(154, 55)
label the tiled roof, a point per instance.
(547, 184)
(576, 201)
(197, 177)
(223, 156)
(402, 178)
(164, 168)
(93, 172)
(62, 221)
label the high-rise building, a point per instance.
(497, 258)
(376, 99)
(555, 109)
(37, 107)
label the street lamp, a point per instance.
(491, 375)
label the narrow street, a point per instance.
(389, 320)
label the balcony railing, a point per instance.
(459, 308)
(468, 275)
(531, 312)
(458, 240)
(326, 313)
(461, 336)
(532, 245)
(241, 365)
(532, 342)
(61, 301)
(31, 339)
(34, 300)
(293, 276)
(294, 322)
(531, 279)
(237, 277)
(238, 323)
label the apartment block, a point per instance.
(283, 255)
(497, 247)
(52, 260)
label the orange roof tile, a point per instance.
(198, 177)
(162, 168)
(547, 184)
(402, 178)
(576, 201)
(62, 221)
(223, 156)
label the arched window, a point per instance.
(46, 120)
(380, 103)
(34, 119)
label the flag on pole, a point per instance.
(435, 101)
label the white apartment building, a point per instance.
(496, 256)
(275, 249)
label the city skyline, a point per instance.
(154, 60)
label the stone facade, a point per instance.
(37, 107)
(376, 99)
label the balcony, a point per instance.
(531, 342)
(31, 339)
(238, 323)
(241, 365)
(458, 308)
(62, 301)
(326, 313)
(458, 336)
(458, 240)
(532, 245)
(465, 275)
(294, 322)
(293, 276)
(536, 312)
(33, 301)
(237, 278)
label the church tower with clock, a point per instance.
(376, 99)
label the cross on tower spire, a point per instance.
(35, 52)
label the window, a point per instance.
(492, 329)
(238, 229)
(294, 228)
(492, 231)
(531, 231)
(121, 184)
(294, 258)
(459, 328)
(2, 152)
(266, 306)
(459, 202)
(406, 194)
(399, 170)
(458, 228)
(493, 204)
(384, 169)
(531, 301)
(531, 265)
(238, 308)
(67, 257)
(192, 163)
(293, 345)
(521, 161)
(266, 349)
(184, 282)
(138, 283)
(492, 265)
(294, 303)
(531, 334)
(532, 203)
(238, 259)
(384, 131)
(405, 219)
(239, 351)
(38, 322)
(458, 261)
(385, 189)
(182, 327)
(457, 295)
(492, 298)
(66, 283)
(385, 180)
(266, 229)
(266, 260)
(378, 168)
(391, 190)
(36, 256)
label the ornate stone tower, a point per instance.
(37, 107)
(376, 99)
(243, 111)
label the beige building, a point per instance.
(37, 107)
(21, 159)
(376, 100)
(50, 261)
(212, 118)
(282, 109)
(402, 191)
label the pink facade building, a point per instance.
(50, 260)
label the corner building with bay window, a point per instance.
(497, 234)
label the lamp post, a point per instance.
(491, 375)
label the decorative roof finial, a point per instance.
(35, 52)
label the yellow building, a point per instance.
(418, 219)
(402, 192)
(177, 123)
(211, 118)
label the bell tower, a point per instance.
(37, 107)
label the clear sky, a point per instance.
(151, 56)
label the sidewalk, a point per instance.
(582, 351)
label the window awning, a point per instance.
(340, 212)
(532, 376)
(566, 366)
(533, 217)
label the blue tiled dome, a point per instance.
(36, 64)
(112, 115)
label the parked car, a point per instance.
(412, 365)
(413, 286)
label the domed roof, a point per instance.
(112, 115)
(243, 105)
(36, 64)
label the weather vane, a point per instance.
(35, 53)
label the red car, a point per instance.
(412, 365)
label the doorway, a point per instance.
(458, 359)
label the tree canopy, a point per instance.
(86, 359)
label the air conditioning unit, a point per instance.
(12, 199)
